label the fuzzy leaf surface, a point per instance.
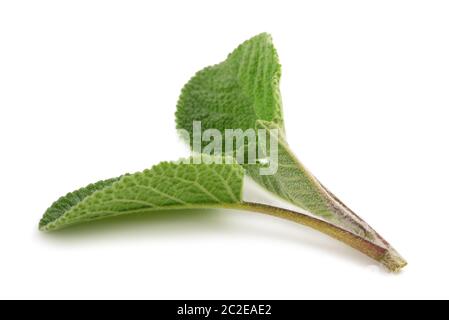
(166, 186)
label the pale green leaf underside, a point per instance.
(292, 181)
(165, 186)
(243, 93)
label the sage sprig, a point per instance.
(240, 93)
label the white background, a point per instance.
(88, 91)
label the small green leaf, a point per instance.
(237, 92)
(166, 186)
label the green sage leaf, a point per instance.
(243, 93)
(166, 186)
